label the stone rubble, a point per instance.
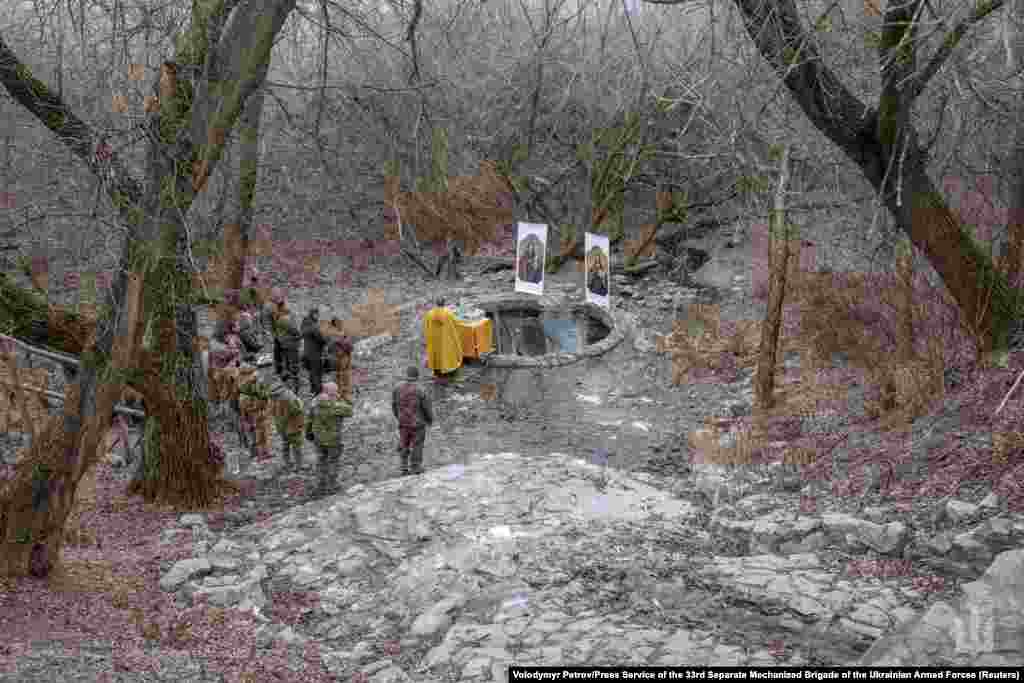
(553, 560)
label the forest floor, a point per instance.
(103, 616)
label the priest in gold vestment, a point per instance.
(444, 345)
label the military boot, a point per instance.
(327, 472)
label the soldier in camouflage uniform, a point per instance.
(290, 420)
(339, 355)
(254, 408)
(268, 313)
(313, 349)
(412, 408)
(327, 414)
(290, 338)
(249, 334)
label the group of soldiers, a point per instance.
(240, 336)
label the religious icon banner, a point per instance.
(531, 242)
(597, 273)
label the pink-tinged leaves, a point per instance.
(343, 279)
(6, 200)
(808, 505)
(104, 152)
(878, 569)
(392, 648)
(953, 188)
(777, 649)
(360, 375)
(40, 262)
(986, 185)
(387, 248)
(928, 584)
(361, 261)
(353, 248)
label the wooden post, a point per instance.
(496, 324)
(778, 256)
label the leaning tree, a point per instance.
(145, 336)
(883, 142)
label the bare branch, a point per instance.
(917, 84)
(410, 36)
(73, 132)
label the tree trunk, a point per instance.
(177, 467)
(986, 303)
(448, 265)
(1015, 217)
(237, 231)
(778, 249)
(35, 505)
(26, 315)
(905, 287)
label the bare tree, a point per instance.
(884, 143)
(229, 47)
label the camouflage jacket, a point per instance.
(411, 406)
(222, 354)
(327, 416)
(289, 417)
(250, 335)
(255, 390)
(286, 331)
(267, 318)
(312, 339)
(339, 345)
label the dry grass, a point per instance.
(852, 315)
(899, 334)
(704, 341)
(742, 449)
(13, 415)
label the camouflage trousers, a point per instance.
(256, 425)
(410, 448)
(327, 468)
(290, 368)
(343, 374)
(291, 450)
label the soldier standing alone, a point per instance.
(411, 405)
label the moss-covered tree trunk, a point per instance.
(35, 505)
(885, 146)
(238, 230)
(178, 466)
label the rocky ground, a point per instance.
(566, 520)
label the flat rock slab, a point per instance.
(552, 560)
